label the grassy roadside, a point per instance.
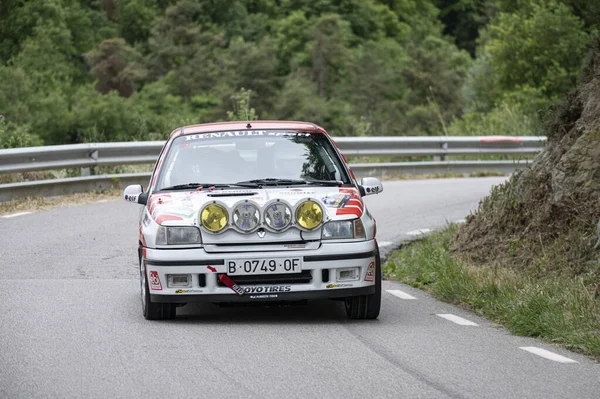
(560, 310)
(31, 204)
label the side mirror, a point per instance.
(135, 193)
(370, 185)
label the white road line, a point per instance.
(401, 294)
(385, 243)
(13, 215)
(457, 320)
(547, 354)
(101, 201)
(418, 232)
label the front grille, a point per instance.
(304, 277)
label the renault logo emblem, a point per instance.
(261, 233)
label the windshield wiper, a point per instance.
(278, 182)
(325, 182)
(187, 186)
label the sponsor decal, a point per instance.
(267, 289)
(353, 206)
(187, 291)
(370, 276)
(339, 285)
(146, 220)
(243, 133)
(263, 296)
(158, 199)
(131, 198)
(299, 191)
(295, 246)
(154, 280)
(160, 219)
(212, 269)
(336, 201)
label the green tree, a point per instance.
(463, 19)
(291, 35)
(331, 36)
(254, 67)
(14, 136)
(376, 88)
(541, 46)
(135, 18)
(113, 64)
(434, 75)
(106, 117)
(242, 110)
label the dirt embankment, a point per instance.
(543, 220)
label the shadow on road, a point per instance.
(313, 312)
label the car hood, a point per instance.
(183, 207)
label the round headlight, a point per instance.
(214, 217)
(246, 217)
(278, 216)
(309, 215)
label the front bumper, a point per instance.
(281, 296)
(318, 278)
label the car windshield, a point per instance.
(265, 157)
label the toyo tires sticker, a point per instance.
(370, 276)
(154, 281)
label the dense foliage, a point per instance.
(108, 70)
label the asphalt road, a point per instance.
(71, 324)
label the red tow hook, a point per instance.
(231, 284)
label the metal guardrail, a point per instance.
(86, 156)
(78, 156)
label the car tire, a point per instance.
(152, 310)
(366, 306)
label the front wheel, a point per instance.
(152, 310)
(366, 306)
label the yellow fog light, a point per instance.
(309, 215)
(214, 217)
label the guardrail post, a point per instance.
(445, 148)
(88, 171)
(438, 158)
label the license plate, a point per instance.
(240, 267)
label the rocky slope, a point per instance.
(543, 220)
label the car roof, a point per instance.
(254, 125)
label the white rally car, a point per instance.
(259, 211)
